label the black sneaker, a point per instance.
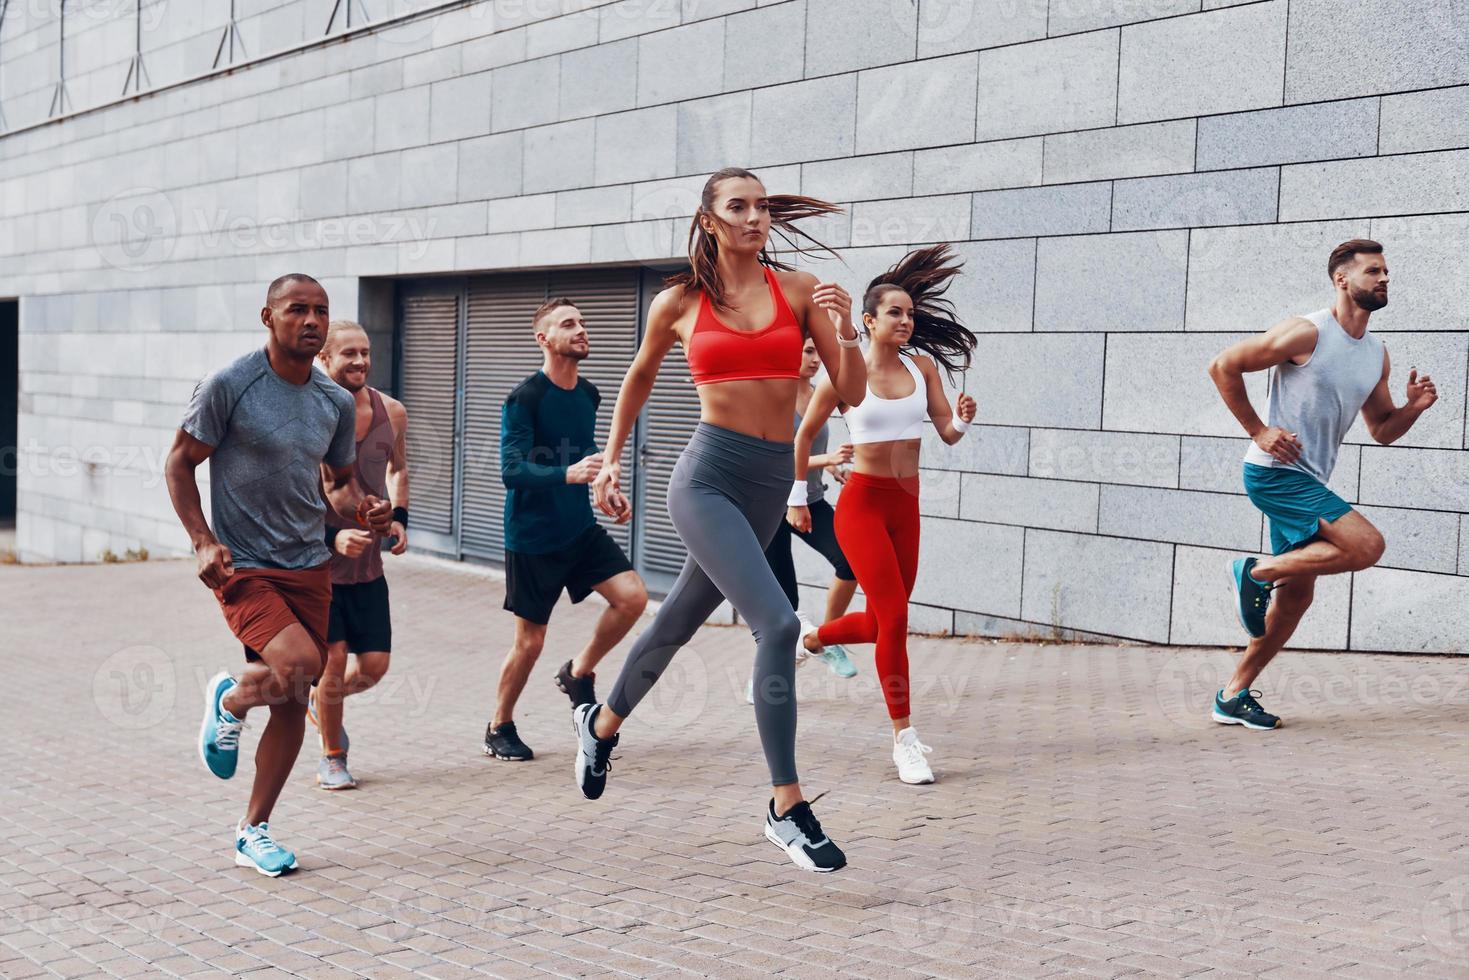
(1243, 709)
(504, 743)
(798, 833)
(593, 754)
(581, 690)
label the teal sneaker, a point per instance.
(219, 735)
(1243, 709)
(838, 660)
(1251, 597)
(316, 721)
(331, 773)
(255, 848)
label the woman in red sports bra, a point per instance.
(742, 318)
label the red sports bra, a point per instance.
(719, 353)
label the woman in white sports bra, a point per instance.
(877, 521)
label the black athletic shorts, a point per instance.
(533, 583)
(360, 616)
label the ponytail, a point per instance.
(925, 275)
(703, 248)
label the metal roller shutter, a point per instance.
(667, 424)
(610, 301)
(499, 352)
(427, 383)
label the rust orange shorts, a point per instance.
(260, 602)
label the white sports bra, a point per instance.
(880, 419)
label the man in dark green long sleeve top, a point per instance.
(545, 430)
(548, 454)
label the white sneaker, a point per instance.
(909, 754)
(807, 628)
(593, 754)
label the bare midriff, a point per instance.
(759, 407)
(897, 459)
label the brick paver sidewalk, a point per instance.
(1088, 818)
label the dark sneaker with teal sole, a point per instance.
(1251, 597)
(1243, 709)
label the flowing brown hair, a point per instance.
(925, 274)
(785, 211)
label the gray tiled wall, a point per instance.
(1132, 186)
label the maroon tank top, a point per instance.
(373, 451)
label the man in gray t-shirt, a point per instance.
(270, 438)
(277, 433)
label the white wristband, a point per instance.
(961, 426)
(798, 494)
(854, 342)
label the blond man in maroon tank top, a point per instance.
(360, 623)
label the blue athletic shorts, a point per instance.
(1295, 502)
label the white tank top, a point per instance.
(880, 419)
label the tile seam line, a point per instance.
(1279, 168)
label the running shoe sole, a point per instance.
(333, 789)
(506, 758)
(1239, 613)
(798, 857)
(1231, 720)
(915, 782)
(210, 700)
(242, 861)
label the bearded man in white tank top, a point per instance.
(1327, 367)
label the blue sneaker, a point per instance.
(1251, 597)
(219, 735)
(1243, 709)
(316, 722)
(255, 848)
(838, 660)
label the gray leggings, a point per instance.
(727, 497)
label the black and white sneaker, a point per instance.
(581, 690)
(504, 743)
(593, 754)
(799, 834)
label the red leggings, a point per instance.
(877, 527)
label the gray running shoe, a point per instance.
(331, 773)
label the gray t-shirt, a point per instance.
(270, 438)
(815, 488)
